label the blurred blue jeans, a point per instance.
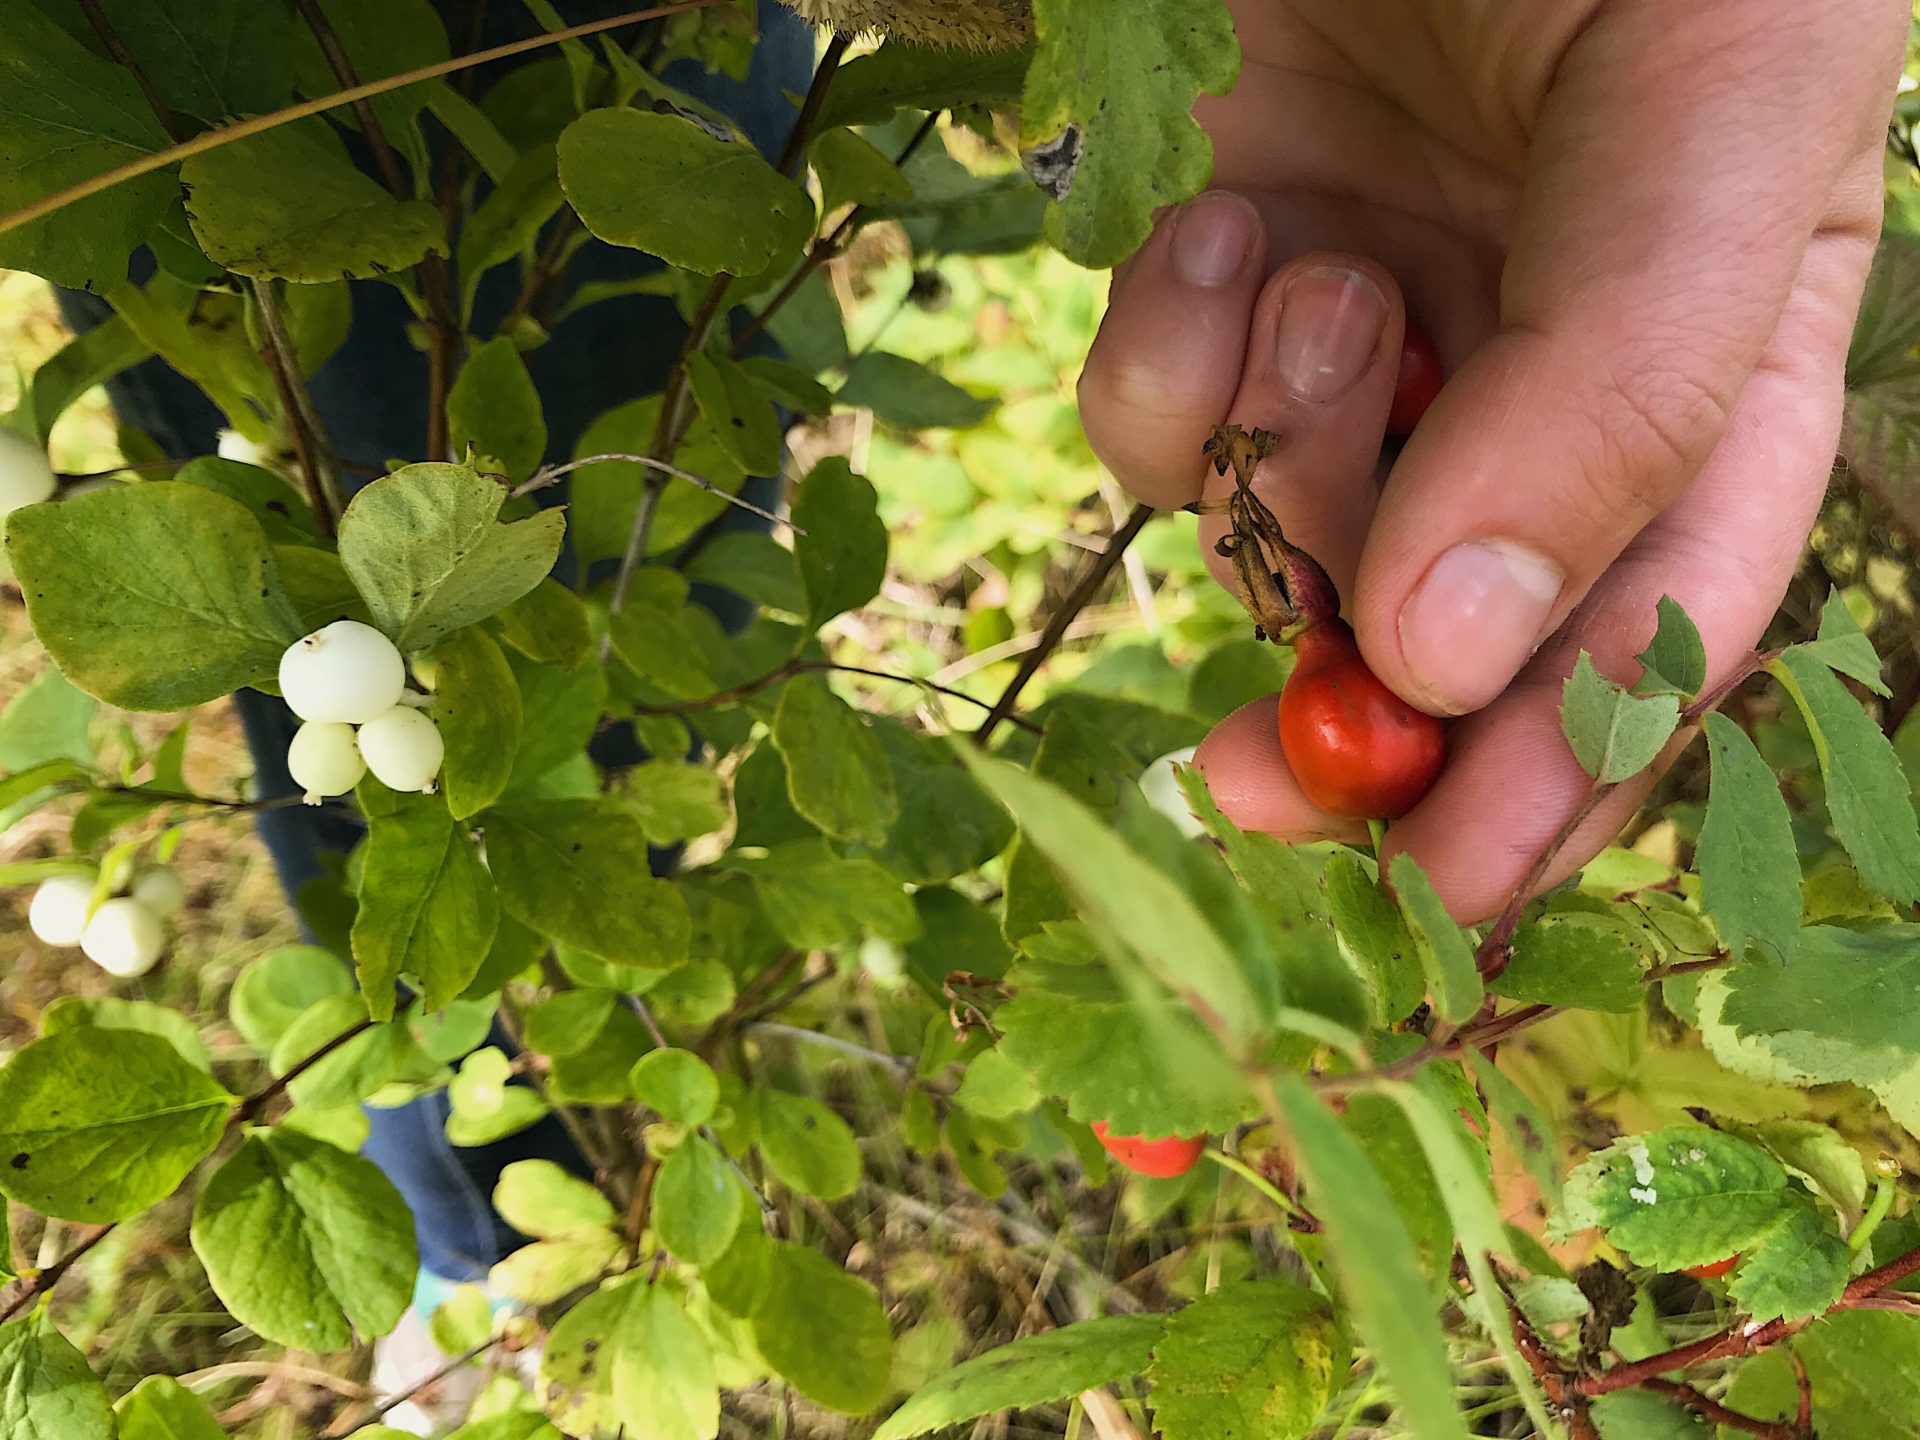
(371, 397)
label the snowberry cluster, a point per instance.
(124, 934)
(349, 684)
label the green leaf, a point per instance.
(663, 184)
(1370, 929)
(161, 1408)
(1131, 900)
(1798, 1271)
(1867, 793)
(605, 496)
(652, 635)
(1376, 1260)
(696, 1207)
(752, 565)
(47, 719)
(806, 1145)
(508, 220)
(1529, 1128)
(476, 704)
(1748, 863)
(678, 1085)
(381, 38)
(1865, 1369)
(100, 1124)
(306, 1245)
(1105, 122)
(837, 771)
(1844, 986)
(741, 416)
(1679, 1197)
(995, 1087)
(199, 615)
(70, 114)
(538, 1198)
(47, 1392)
(559, 711)
(810, 329)
(427, 909)
(349, 1073)
(1145, 1066)
(1250, 1359)
(629, 1358)
(495, 408)
(814, 898)
(282, 513)
(550, 1270)
(1614, 734)
(424, 548)
(808, 1298)
(281, 986)
(1840, 645)
(203, 335)
(548, 624)
(948, 825)
(674, 800)
(905, 394)
(576, 870)
(1583, 962)
(484, 1108)
(842, 553)
(287, 204)
(1675, 661)
(1453, 979)
(90, 358)
(869, 90)
(1034, 1370)
(852, 172)
(109, 1012)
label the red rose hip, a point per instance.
(1419, 382)
(1357, 749)
(1159, 1159)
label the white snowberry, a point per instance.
(124, 938)
(158, 887)
(1162, 789)
(324, 759)
(26, 475)
(58, 910)
(403, 749)
(346, 673)
(232, 445)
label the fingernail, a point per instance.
(1211, 239)
(1330, 324)
(1476, 618)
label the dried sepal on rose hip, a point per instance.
(1356, 749)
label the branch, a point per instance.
(1708, 1408)
(795, 150)
(1568, 1403)
(318, 466)
(705, 1132)
(550, 475)
(240, 130)
(902, 1066)
(802, 667)
(1057, 623)
(394, 1402)
(123, 57)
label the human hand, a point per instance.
(1638, 233)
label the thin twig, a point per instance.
(550, 475)
(1705, 1406)
(901, 1065)
(317, 462)
(705, 1132)
(802, 667)
(388, 1406)
(258, 125)
(794, 152)
(121, 56)
(1057, 623)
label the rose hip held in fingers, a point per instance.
(1357, 749)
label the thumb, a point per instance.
(1674, 183)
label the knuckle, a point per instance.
(1653, 421)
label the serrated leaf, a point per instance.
(696, 1208)
(1675, 661)
(161, 1408)
(1867, 792)
(100, 1124)
(808, 1297)
(1252, 1359)
(1033, 1370)
(576, 870)
(287, 204)
(427, 909)
(662, 184)
(1748, 863)
(1529, 1128)
(1614, 734)
(1798, 1271)
(741, 416)
(1453, 979)
(1841, 645)
(425, 549)
(69, 115)
(476, 704)
(995, 1088)
(842, 552)
(1581, 962)
(47, 1391)
(806, 1146)
(1371, 929)
(1865, 1370)
(907, 395)
(837, 771)
(306, 1245)
(494, 407)
(201, 614)
(1845, 986)
(1679, 1197)
(1376, 1260)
